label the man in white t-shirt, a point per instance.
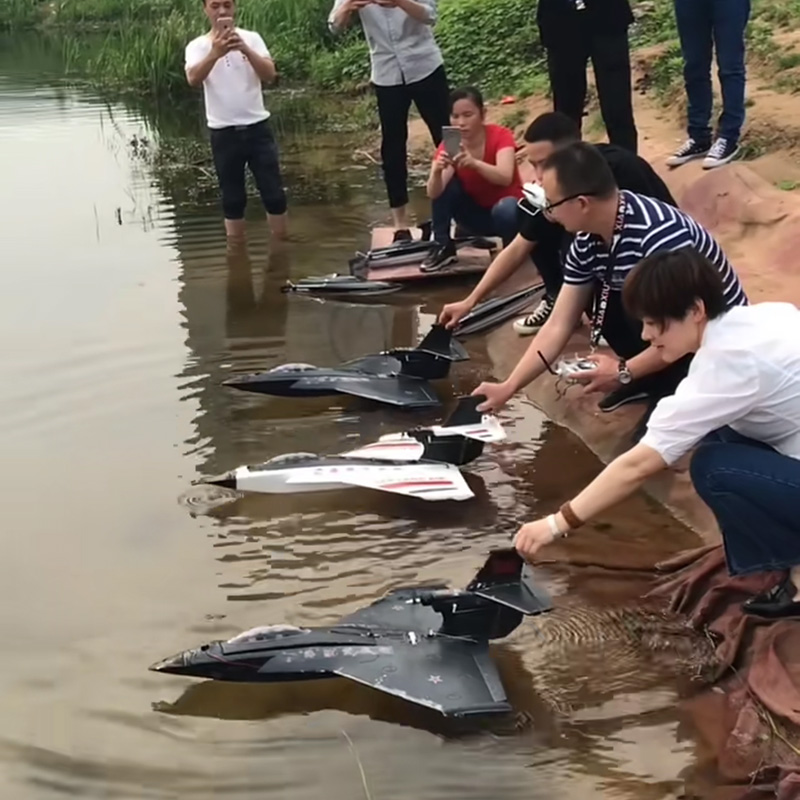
(230, 64)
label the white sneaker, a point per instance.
(525, 326)
(723, 151)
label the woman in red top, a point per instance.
(480, 187)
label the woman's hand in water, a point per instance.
(496, 394)
(531, 537)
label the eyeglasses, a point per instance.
(548, 206)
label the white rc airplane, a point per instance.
(422, 463)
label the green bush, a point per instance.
(21, 13)
(493, 44)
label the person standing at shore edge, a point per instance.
(407, 66)
(702, 26)
(574, 31)
(230, 64)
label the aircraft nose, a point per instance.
(226, 481)
(173, 665)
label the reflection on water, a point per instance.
(123, 311)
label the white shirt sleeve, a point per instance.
(431, 7)
(721, 387)
(196, 51)
(258, 45)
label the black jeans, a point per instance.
(431, 97)
(454, 204)
(247, 145)
(547, 258)
(611, 59)
(624, 336)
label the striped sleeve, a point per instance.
(669, 235)
(578, 263)
(673, 235)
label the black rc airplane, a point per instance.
(397, 377)
(428, 645)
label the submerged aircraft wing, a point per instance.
(488, 429)
(454, 677)
(398, 391)
(426, 481)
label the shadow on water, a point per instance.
(128, 310)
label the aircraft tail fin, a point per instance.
(466, 412)
(494, 603)
(439, 341)
(432, 357)
(503, 580)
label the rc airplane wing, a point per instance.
(488, 429)
(426, 481)
(393, 390)
(465, 421)
(453, 677)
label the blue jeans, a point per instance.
(454, 204)
(754, 492)
(721, 23)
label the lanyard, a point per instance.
(605, 293)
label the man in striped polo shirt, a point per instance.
(615, 229)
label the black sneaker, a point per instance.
(402, 235)
(621, 397)
(777, 603)
(722, 152)
(525, 326)
(688, 151)
(439, 258)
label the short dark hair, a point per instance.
(470, 93)
(664, 286)
(581, 169)
(555, 127)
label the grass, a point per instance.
(143, 41)
(494, 45)
(512, 119)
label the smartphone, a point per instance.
(451, 136)
(224, 24)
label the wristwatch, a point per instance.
(624, 374)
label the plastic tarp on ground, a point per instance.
(751, 717)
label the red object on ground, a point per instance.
(759, 669)
(508, 99)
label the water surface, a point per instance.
(122, 311)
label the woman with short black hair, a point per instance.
(740, 402)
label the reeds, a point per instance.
(144, 40)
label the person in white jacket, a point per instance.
(740, 402)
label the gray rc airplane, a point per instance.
(428, 645)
